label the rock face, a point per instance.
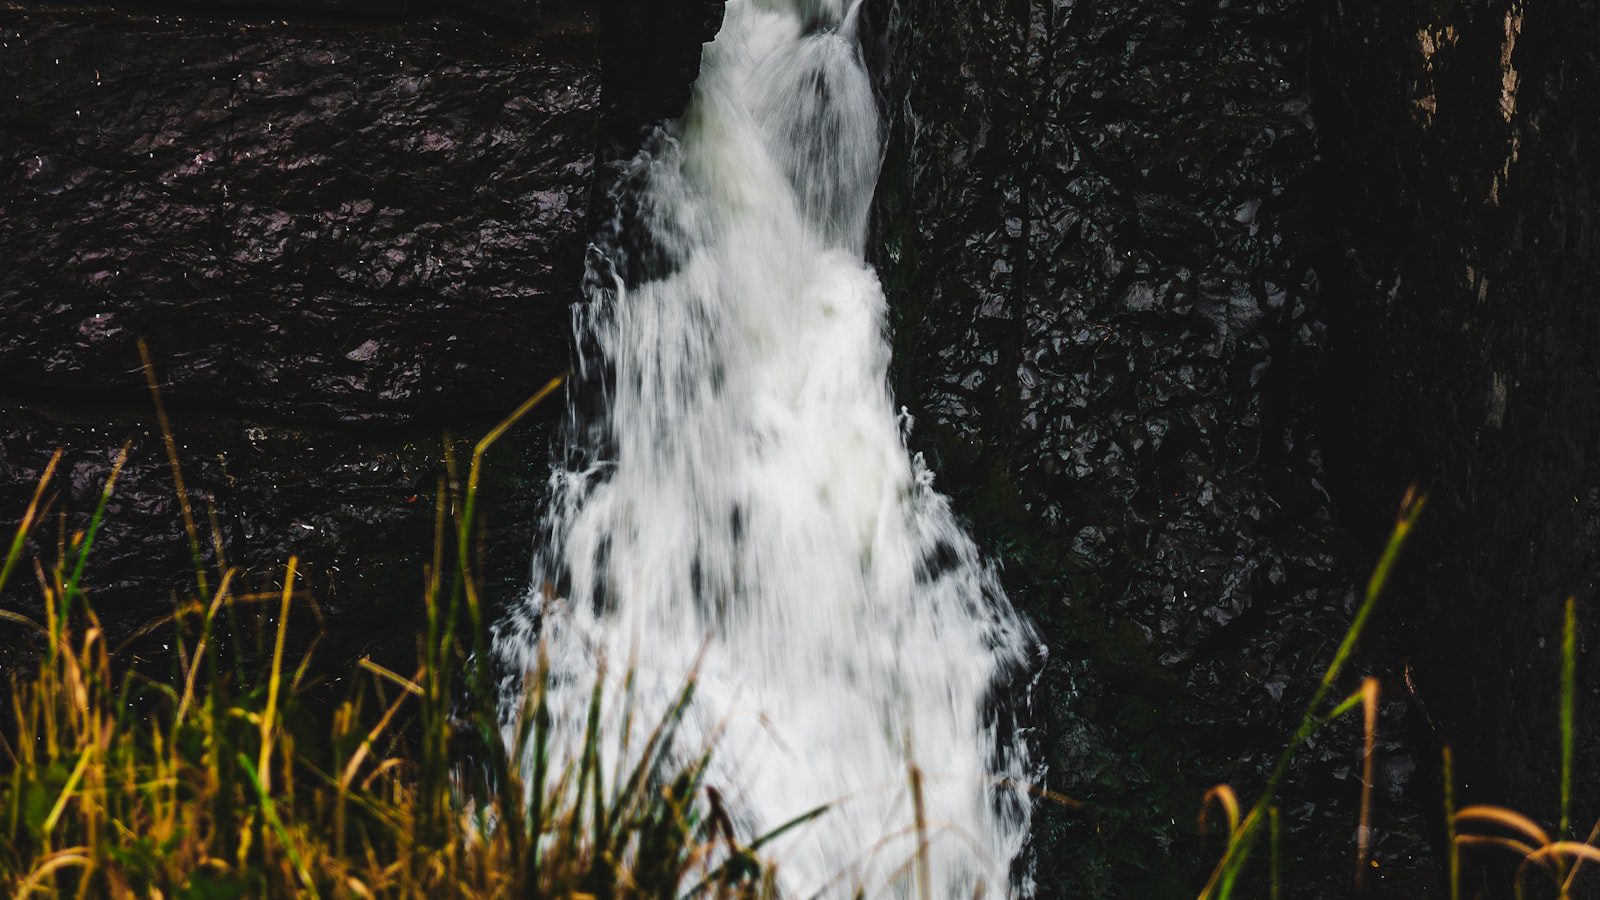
(1096, 226)
(343, 227)
(380, 223)
(499, 13)
(1462, 153)
(1143, 303)
(652, 55)
(358, 511)
(358, 225)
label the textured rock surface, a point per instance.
(500, 13)
(358, 510)
(341, 233)
(1462, 178)
(362, 224)
(1096, 227)
(652, 55)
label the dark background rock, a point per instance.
(1462, 141)
(500, 14)
(344, 228)
(1097, 225)
(361, 224)
(358, 512)
(652, 54)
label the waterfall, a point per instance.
(738, 492)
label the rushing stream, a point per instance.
(741, 497)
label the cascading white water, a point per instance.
(746, 489)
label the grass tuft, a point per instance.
(1243, 834)
(1557, 856)
(229, 781)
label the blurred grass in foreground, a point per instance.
(225, 781)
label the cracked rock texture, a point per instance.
(1096, 225)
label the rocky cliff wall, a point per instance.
(342, 227)
(1186, 296)
(1097, 226)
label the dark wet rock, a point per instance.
(343, 227)
(379, 222)
(360, 224)
(357, 510)
(1462, 142)
(1096, 227)
(500, 13)
(652, 54)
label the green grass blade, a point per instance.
(269, 810)
(1226, 875)
(71, 589)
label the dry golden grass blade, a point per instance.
(1003, 781)
(1566, 849)
(409, 685)
(937, 827)
(1222, 795)
(387, 765)
(1369, 709)
(1577, 863)
(1553, 855)
(61, 859)
(200, 646)
(67, 792)
(505, 425)
(1499, 815)
(475, 472)
(19, 619)
(180, 610)
(361, 753)
(943, 828)
(920, 816)
(1491, 840)
(1033, 790)
(216, 537)
(194, 608)
(177, 467)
